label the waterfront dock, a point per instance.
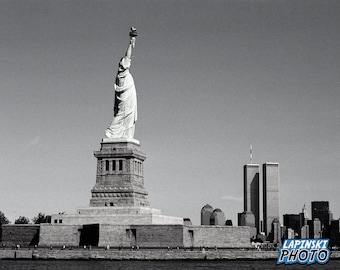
(141, 254)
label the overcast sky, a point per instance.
(212, 77)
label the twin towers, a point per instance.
(269, 225)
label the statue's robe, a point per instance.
(125, 103)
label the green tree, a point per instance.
(41, 218)
(22, 220)
(3, 219)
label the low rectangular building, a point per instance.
(145, 236)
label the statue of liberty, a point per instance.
(125, 101)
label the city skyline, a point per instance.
(212, 78)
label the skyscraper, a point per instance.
(335, 233)
(251, 191)
(304, 215)
(317, 228)
(320, 210)
(271, 196)
(292, 221)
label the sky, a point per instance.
(212, 77)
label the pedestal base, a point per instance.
(120, 140)
(120, 175)
(116, 216)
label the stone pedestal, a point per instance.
(118, 197)
(120, 175)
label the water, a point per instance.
(146, 265)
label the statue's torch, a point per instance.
(133, 35)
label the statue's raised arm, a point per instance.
(125, 101)
(133, 35)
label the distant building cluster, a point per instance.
(269, 229)
(321, 224)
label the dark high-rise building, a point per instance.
(293, 221)
(271, 196)
(320, 210)
(251, 191)
(335, 233)
(310, 225)
(297, 222)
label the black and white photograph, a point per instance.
(170, 134)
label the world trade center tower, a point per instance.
(271, 196)
(251, 191)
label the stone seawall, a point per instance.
(99, 254)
